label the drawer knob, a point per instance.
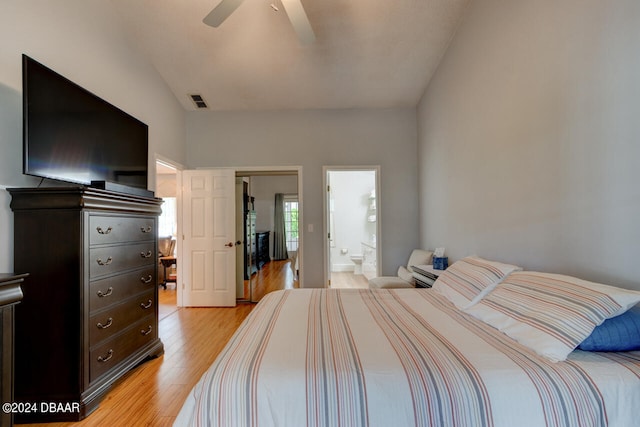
(146, 255)
(147, 305)
(101, 231)
(106, 325)
(107, 357)
(147, 280)
(147, 331)
(107, 262)
(105, 294)
(146, 229)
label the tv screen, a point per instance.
(74, 136)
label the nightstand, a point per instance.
(425, 275)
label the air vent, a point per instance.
(198, 101)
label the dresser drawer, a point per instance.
(116, 318)
(108, 354)
(112, 259)
(106, 229)
(105, 292)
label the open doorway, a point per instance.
(352, 224)
(186, 293)
(267, 220)
(167, 190)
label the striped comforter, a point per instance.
(401, 357)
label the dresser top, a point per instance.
(10, 291)
(78, 197)
(8, 278)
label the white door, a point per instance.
(209, 254)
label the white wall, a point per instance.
(312, 139)
(82, 40)
(529, 138)
(350, 191)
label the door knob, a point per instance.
(229, 245)
(238, 243)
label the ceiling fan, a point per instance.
(294, 10)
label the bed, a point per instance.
(401, 357)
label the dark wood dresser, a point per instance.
(250, 265)
(10, 295)
(90, 307)
(262, 248)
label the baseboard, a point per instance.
(342, 268)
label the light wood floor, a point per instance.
(348, 280)
(152, 394)
(272, 276)
(167, 300)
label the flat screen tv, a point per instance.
(74, 136)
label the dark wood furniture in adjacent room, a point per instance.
(262, 248)
(250, 265)
(10, 295)
(167, 262)
(90, 307)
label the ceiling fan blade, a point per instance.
(221, 12)
(299, 20)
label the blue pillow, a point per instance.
(620, 333)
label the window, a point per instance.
(167, 223)
(291, 222)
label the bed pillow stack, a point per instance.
(466, 281)
(550, 313)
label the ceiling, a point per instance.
(367, 53)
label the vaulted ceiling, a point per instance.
(367, 53)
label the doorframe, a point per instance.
(255, 170)
(325, 213)
(284, 170)
(157, 158)
(179, 168)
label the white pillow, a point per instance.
(551, 313)
(466, 281)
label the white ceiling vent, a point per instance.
(198, 101)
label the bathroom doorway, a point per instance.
(352, 225)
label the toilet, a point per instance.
(357, 260)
